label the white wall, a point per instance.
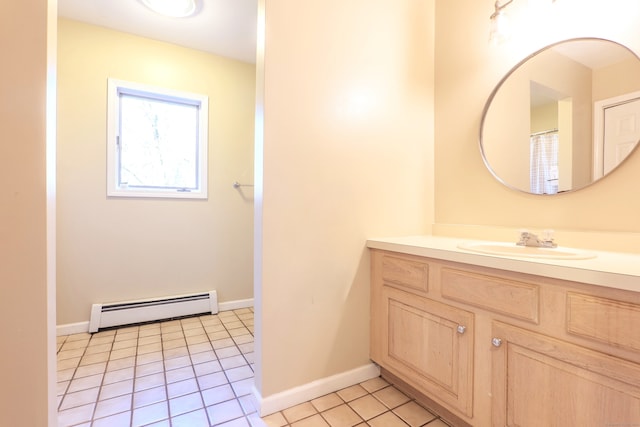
(118, 249)
(346, 155)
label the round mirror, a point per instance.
(564, 117)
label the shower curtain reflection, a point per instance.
(544, 162)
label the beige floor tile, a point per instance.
(111, 377)
(149, 414)
(149, 348)
(88, 370)
(388, 419)
(199, 345)
(219, 394)
(115, 405)
(85, 383)
(116, 389)
(275, 420)
(149, 330)
(89, 359)
(248, 404)
(73, 345)
(437, 423)
(225, 411)
(212, 380)
(150, 339)
(350, 393)
(74, 416)
(177, 362)
(182, 387)
(341, 416)
(197, 339)
(243, 387)
(374, 384)
(143, 359)
(314, 421)
(70, 363)
(232, 362)
(203, 357)
(117, 345)
(126, 362)
(175, 352)
(69, 354)
(327, 402)
(391, 397)
(80, 398)
(367, 407)
(126, 335)
(149, 396)
(149, 381)
(177, 343)
(98, 348)
(186, 403)
(122, 419)
(149, 369)
(192, 419)
(122, 353)
(169, 336)
(227, 352)
(61, 387)
(414, 414)
(179, 374)
(239, 373)
(298, 412)
(238, 422)
(207, 367)
(195, 331)
(222, 343)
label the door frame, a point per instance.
(599, 108)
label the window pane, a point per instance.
(158, 143)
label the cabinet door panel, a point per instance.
(543, 381)
(424, 345)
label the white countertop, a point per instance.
(609, 269)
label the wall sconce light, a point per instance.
(500, 30)
(172, 8)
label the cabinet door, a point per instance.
(542, 381)
(429, 345)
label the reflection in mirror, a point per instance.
(564, 117)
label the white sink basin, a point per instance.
(511, 249)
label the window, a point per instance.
(157, 142)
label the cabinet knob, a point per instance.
(497, 342)
(461, 329)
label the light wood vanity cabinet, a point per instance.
(489, 347)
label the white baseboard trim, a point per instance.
(288, 398)
(72, 328)
(83, 327)
(235, 305)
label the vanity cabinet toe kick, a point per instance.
(487, 347)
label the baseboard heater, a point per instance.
(147, 310)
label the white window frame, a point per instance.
(114, 188)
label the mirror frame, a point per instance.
(497, 88)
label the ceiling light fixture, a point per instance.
(500, 30)
(173, 8)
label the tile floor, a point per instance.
(198, 372)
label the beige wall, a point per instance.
(348, 107)
(469, 201)
(27, 345)
(114, 249)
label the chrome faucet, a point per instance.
(530, 239)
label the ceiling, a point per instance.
(222, 27)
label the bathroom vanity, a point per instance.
(488, 340)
